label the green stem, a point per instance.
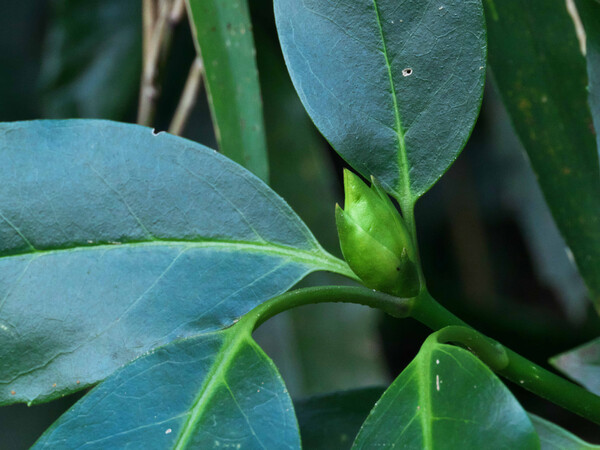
(394, 306)
(491, 352)
(517, 369)
(450, 328)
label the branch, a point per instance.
(394, 306)
(157, 34)
(188, 97)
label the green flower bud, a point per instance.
(374, 239)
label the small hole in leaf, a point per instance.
(407, 72)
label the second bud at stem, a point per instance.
(374, 239)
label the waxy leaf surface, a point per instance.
(582, 364)
(217, 390)
(540, 73)
(446, 398)
(223, 38)
(394, 86)
(115, 241)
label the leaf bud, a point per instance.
(375, 240)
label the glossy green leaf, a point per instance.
(553, 437)
(115, 240)
(217, 390)
(332, 421)
(582, 364)
(92, 58)
(223, 37)
(446, 398)
(589, 12)
(540, 73)
(398, 86)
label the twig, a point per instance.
(177, 12)
(157, 40)
(148, 19)
(188, 97)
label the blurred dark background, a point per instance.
(491, 251)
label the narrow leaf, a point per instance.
(553, 437)
(92, 59)
(398, 86)
(114, 241)
(540, 73)
(446, 398)
(582, 364)
(223, 37)
(212, 391)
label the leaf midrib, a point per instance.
(404, 182)
(424, 392)
(230, 347)
(316, 257)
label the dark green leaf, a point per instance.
(212, 391)
(115, 240)
(582, 364)
(331, 422)
(446, 398)
(397, 86)
(223, 36)
(92, 59)
(540, 72)
(553, 437)
(589, 11)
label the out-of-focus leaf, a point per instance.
(92, 59)
(589, 11)
(398, 86)
(218, 390)
(553, 437)
(582, 364)
(331, 422)
(446, 398)
(223, 36)
(510, 184)
(115, 241)
(540, 72)
(20, 47)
